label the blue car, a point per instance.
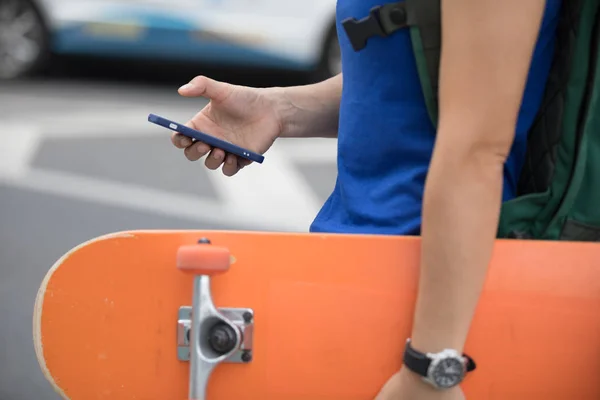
(280, 34)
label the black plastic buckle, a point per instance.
(360, 31)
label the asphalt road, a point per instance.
(78, 159)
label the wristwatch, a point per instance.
(441, 370)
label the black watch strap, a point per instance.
(416, 361)
(419, 362)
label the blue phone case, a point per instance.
(205, 138)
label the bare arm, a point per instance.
(313, 110)
(487, 50)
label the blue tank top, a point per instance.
(385, 136)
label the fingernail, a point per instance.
(230, 161)
(185, 87)
(217, 156)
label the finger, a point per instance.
(215, 159)
(243, 162)
(180, 141)
(196, 151)
(201, 86)
(230, 167)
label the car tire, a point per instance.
(24, 39)
(330, 63)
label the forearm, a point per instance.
(483, 71)
(460, 216)
(312, 110)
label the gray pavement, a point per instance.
(78, 159)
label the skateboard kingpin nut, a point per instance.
(222, 338)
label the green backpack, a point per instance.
(559, 188)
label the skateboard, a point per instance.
(216, 315)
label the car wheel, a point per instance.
(23, 39)
(331, 58)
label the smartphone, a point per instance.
(205, 138)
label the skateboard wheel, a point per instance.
(203, 259)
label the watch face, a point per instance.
(448, 372)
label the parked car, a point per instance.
(281, 34)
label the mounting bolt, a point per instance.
(247, 356)
(204, 241)
(247, 317)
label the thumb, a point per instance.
(201, 86)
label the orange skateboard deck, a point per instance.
(307, 317)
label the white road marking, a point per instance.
(18, 145)
(96, 124)
(271, 196)
(309, 150)
(105, 192)
(274, 191)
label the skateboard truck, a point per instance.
(207, 335)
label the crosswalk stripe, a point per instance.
(273, 195)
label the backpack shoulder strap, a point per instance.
(423, 19)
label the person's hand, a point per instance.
(245, 116)
(405, 385)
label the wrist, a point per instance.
(440, 370)
(308, 110)
(286, 111)
(433, 342)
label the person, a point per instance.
(397, 173)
